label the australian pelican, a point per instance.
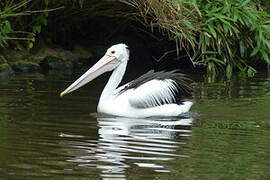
(152, 94)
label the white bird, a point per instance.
(152, 94)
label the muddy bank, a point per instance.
(45, 58)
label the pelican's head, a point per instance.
(113, 57)
(119, 51)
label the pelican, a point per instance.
(152, 94)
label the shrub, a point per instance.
(224, 35)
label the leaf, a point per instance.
(242, 48)
(244, 3)
(265, 56)
(215, 60)
(211, 69)
(210, 52)
(212, 30)
(187, 23)
(6, 27)
(251, 71)
(255, 51)
(229, 71)
(36, 29)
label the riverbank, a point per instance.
(223, 37)
(45, 58)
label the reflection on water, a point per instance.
(43, 136)
(147, 142)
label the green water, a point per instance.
(43, 136)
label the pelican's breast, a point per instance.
(117, 104)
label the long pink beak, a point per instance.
(106, 63)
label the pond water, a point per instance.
(42, 136)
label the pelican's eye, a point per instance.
(113, 52)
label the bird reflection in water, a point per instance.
(138, 143)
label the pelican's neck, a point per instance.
(114, 81)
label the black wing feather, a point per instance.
(180, 79)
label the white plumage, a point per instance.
(162, 91)
(153, 94)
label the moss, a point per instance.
(15, 55)
(24, 66)
(56, 63)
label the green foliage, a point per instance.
(5, 28)
(23, 20)
(237, 31)
(224, 35)
(8, 11)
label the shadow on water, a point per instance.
(125, 143)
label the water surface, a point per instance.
(43, 136)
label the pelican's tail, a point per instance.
(186, 106)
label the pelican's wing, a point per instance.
(156, 88)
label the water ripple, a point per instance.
(125, 142)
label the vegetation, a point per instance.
(21, 20)
(223, 35)
(228, 35)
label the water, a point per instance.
(43, 136)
